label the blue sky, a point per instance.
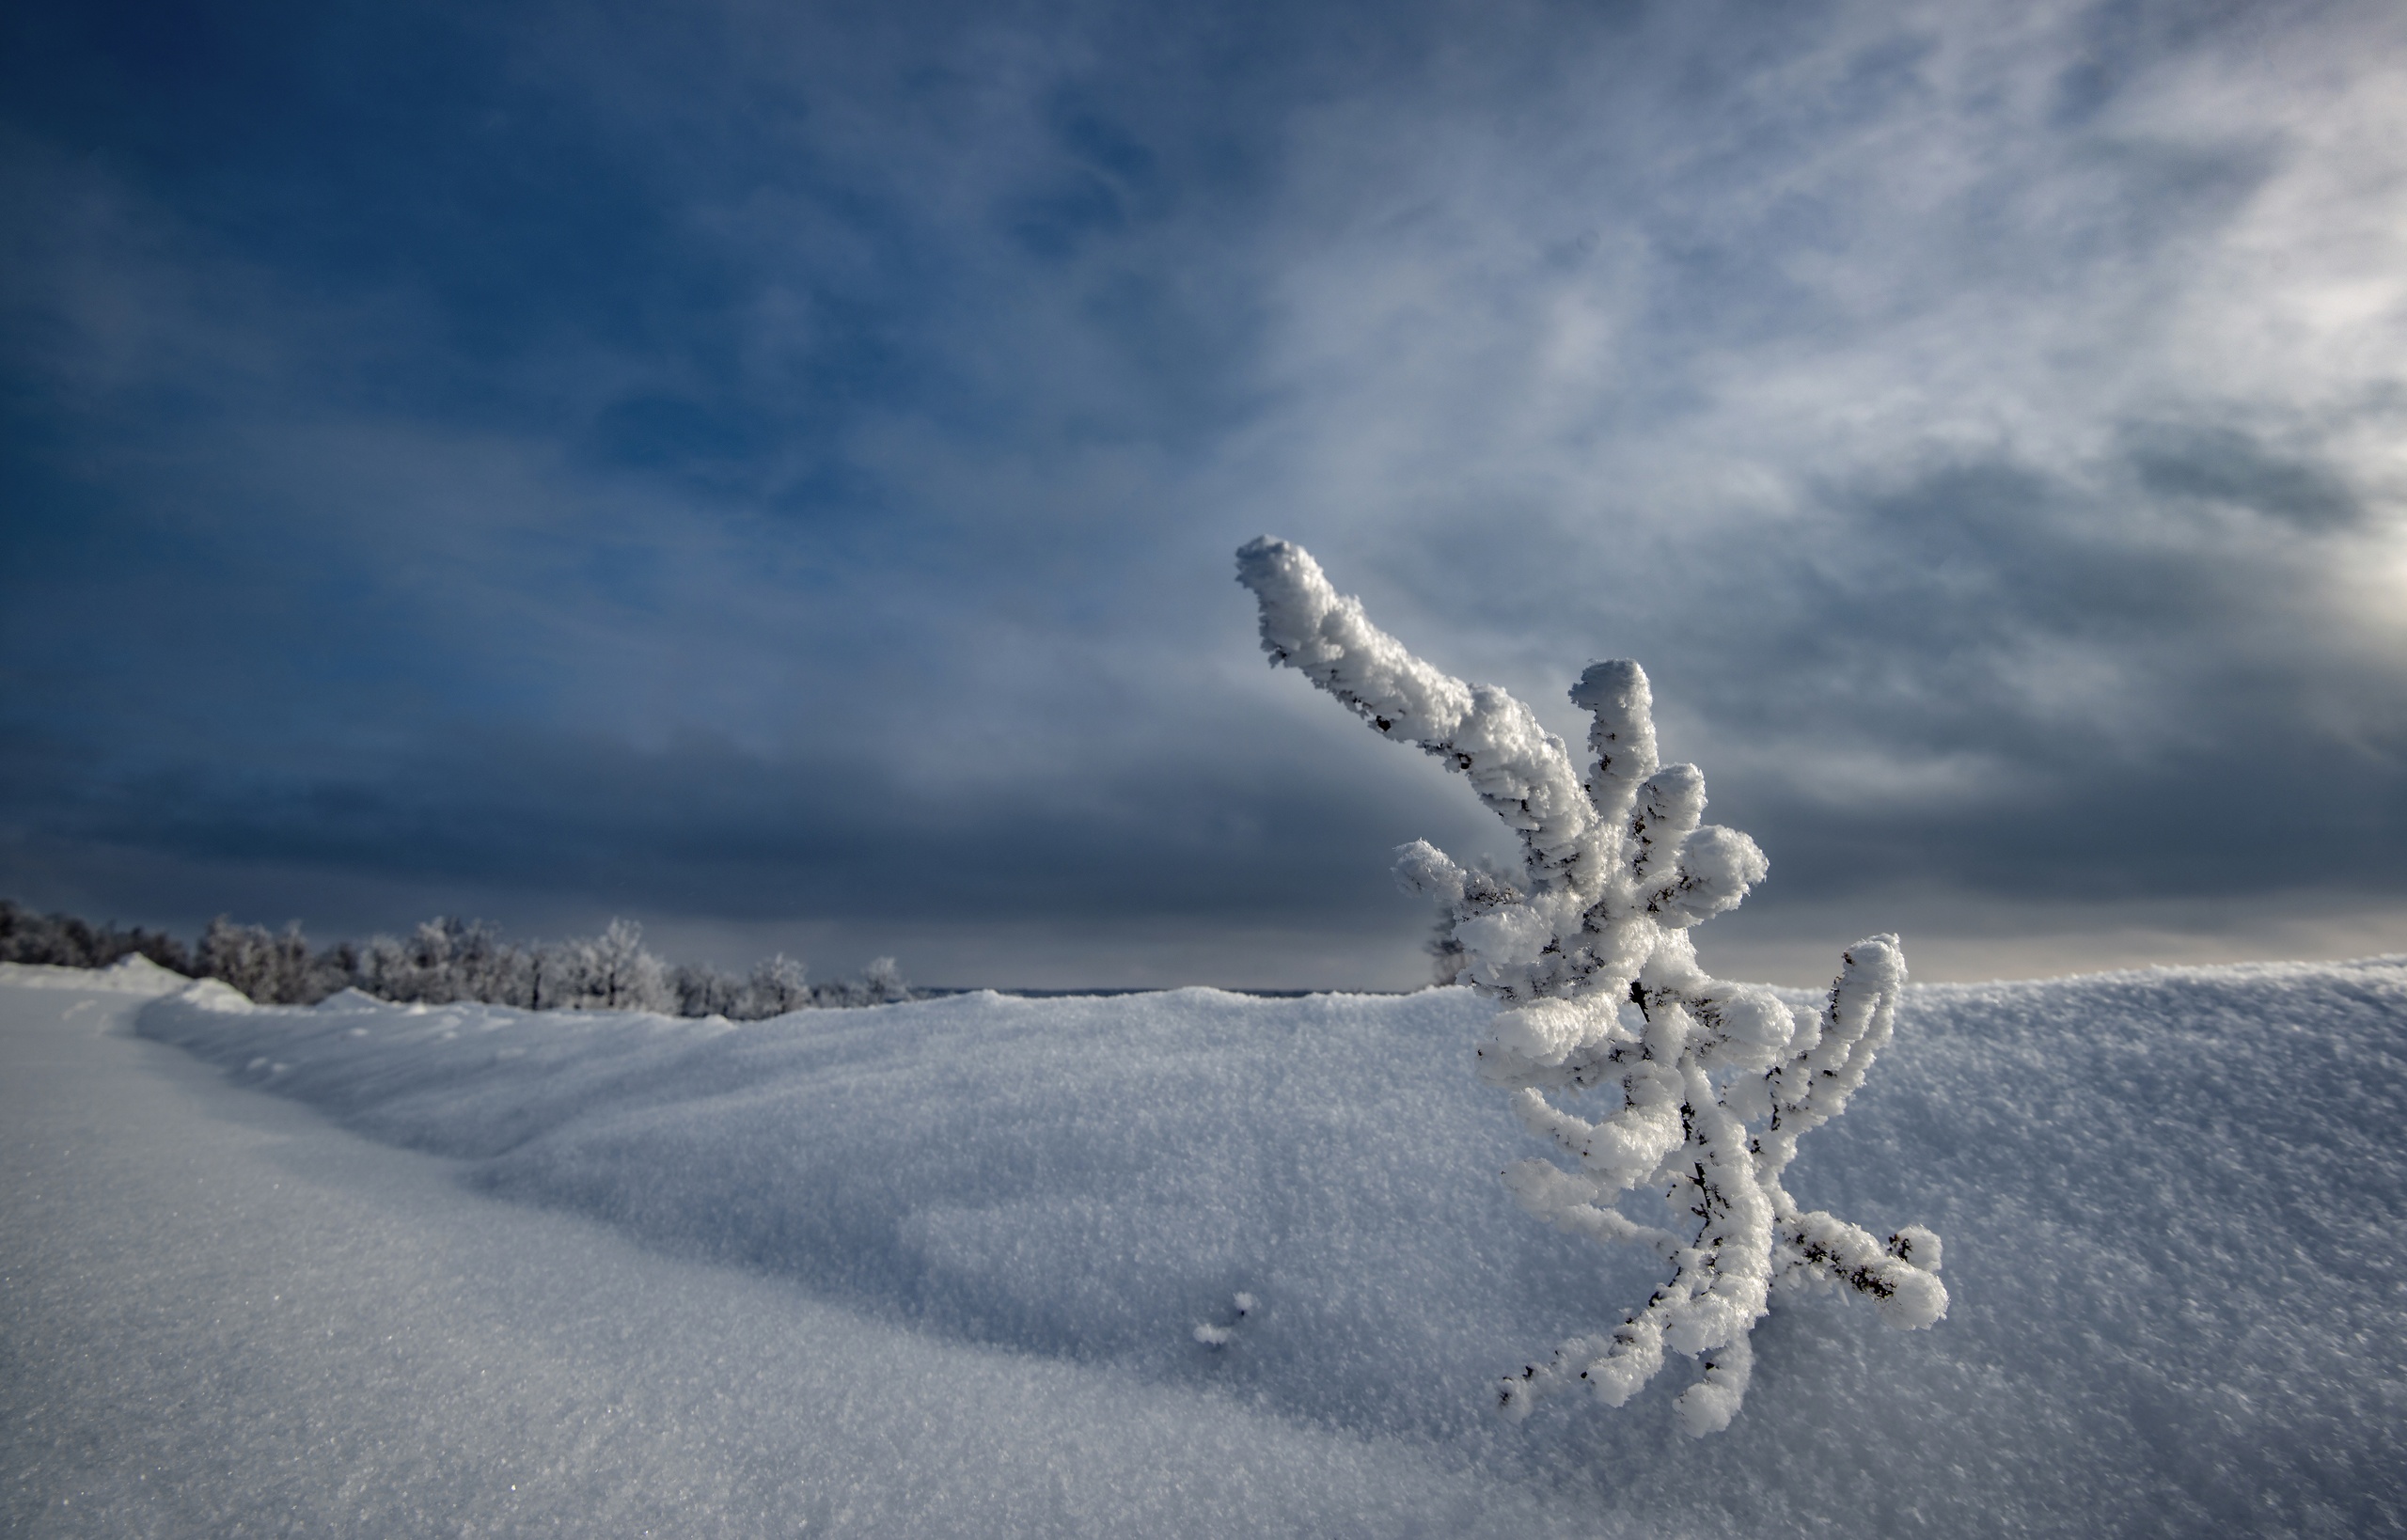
(772, 471)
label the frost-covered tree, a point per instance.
(612, 971)
(775, 987)
(778, 984)
(268, 966)
(702, 990)
(63, 940)
(1705, 1085)
(882, 982)
(447, 958)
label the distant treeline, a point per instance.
(446, 960)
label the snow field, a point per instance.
(2172, 1204)
(220, 1315)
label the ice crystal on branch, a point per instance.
(1704, 1086)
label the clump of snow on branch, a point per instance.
(1705, 1084)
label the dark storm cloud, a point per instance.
(708, 827)
(779, 464)
(2233, 469)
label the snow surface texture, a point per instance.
(219, 1316)
(2176, 1202)
(1600, 991)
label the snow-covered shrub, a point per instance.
(1706, 1085)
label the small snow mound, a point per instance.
(216, 995)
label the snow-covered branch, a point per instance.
(1705, 1085)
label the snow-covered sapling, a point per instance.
(1705, 1084)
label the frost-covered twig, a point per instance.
(1706, 1085)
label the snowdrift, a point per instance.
(134, 975)
(2173, 1204)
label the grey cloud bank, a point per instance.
(772, 473)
